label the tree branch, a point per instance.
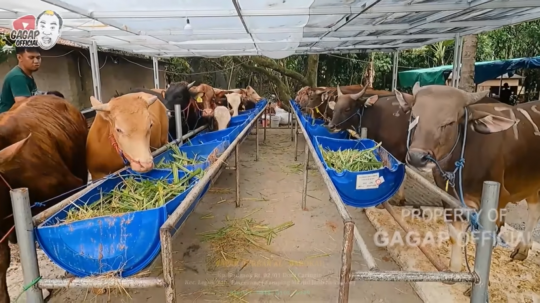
(268, 63)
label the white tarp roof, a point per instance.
(274, 28)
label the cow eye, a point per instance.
(118, 130)
(151, 124)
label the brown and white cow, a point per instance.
(502, 144)
(205, 98)
(125, 129)
(42, 147)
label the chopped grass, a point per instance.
(352, 160)
(238, 237)
(181, 160)
(134, 195)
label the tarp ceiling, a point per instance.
(274, 28)
(483, 71)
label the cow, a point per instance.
(178, 93)
(205, 99)
(234, 100)
(222, 117)
(55, 93)
(42, 147)
(123, 132)
(501, 144)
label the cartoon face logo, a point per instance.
(49, 24)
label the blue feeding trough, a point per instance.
(123, 243)
(238, 120)
(169, 156)
(247, 112)
(316, 128)
(225, 135)
(366, 188)
(203, 150)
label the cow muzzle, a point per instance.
(331, 127)
(142, 166)
(208, 112)
(420, 159)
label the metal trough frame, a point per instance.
(479, 277)
(24, 224)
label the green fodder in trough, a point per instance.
(180, 161)
(352, 160)
(134, 195)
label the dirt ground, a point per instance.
(271, 191)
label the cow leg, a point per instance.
(456, 230)
(4, 265)
(522, 249)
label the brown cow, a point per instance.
(43, 144)
(123, 132)
(204, 95)
(501, 145)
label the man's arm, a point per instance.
(19, 89)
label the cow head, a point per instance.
(315, 98)
(220, 97)
(302, 96)
(204, 94)
(437, 115)
(177, 93)
(252, 95)
(346, 107)
(130, 127)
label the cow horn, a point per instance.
(191, 84)
(339, 93)
(151, 100)
(98, 106)
(475, 97)
(359, 94)
(416, 88)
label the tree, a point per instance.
(468, 59)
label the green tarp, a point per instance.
(483, 71)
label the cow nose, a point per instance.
(143, 166)
(418, 158)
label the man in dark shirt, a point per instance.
(19, 83)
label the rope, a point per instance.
(27, 287)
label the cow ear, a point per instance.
(332, 105)
(405, 102)
(319, 91)
(371, 100)
(9, 152)
(487, 123)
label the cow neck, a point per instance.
(125, 157)
(450, 176)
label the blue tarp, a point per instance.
(484, 71)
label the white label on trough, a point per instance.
(368, 181)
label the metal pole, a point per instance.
(456, 68)
(237, 164)
(296, 140)
(306, 165)
(484, 245)
(346, 259)
(291, 122)
(256, 141)
(101, 283)
(411, 276)
(265, 122)
(395, 71)
(94, 66)
(363, 132)
(168, 265)
(178, 122)
(156, 71)
(24, 228)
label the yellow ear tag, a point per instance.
(446, 186)
(199, 100)
(317, 110)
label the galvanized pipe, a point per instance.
(296, 139)
(304, 188)
(236, 163)
(411, 276)
(484, 245)
(168, 264)
(363, 132)
(434, 260)
(197, 189)
(291, 123)
(256, 141)
(101, 282)
(370, 261)
(178, 123)
(346, 260)
(22, 215)
(44, 215)
(265, 123)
